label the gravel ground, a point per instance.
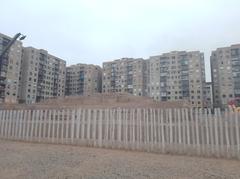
(37, 161)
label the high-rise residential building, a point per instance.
(9, 70)
(225, 68)
(83, 79)
(177, 75)
(42, 76)
(208, 95)
(126, 75)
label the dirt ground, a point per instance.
(20, 160)
(99, 101)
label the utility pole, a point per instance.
(12, 42)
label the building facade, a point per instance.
(126, 75)
(42, 76)
(208, 95)
(177, 75)
(83, 79)
(9, 70)
(225, 69)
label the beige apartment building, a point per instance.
(42, 76)
(208, 95)
(83, 79)
(126, 75)
(9, 70)
(178, 75)
(225, 68)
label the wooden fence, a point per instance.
(176, 131)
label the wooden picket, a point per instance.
(201, 132)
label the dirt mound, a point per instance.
(100, 101)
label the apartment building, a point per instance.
(9, 70)
(208, 95)
(225, 68)
(126, 75)
(42, 76)
(178, 75)
(83, 79)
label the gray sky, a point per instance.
(93, 31)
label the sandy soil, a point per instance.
(99, 101)
(37, 161)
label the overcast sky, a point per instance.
(93, 31)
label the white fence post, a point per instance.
(17, 123)
(192, 129)
(126, 129)
(24, 117)
(28, 124)
(36, 125)
(106, 133)
(83, 124)
(155, 129)
(45, 124)
(188, 130)
(221, 133)
(207, 130)
(197, 130)
(170, 130)
(67, 125)
(179, 131)
(14, 117)
(58, 113)
(72, 125)
(226, 132)
(88, 125)
(6, 124)
(216, 132)
(133, 129)
(183, 124)
(202, 139)
(48, 120)
(94, 127)
(10, 124)
(53, 122)
(231, 129)
(162, 130)
(159, 130)
(40, 126)
(2, 122)
(100, 128)
(140, 129)
(21, 125)
(32, 124)
(78, 125)
(119, 127)
(62, 125)
(151, 129)
(237, 133)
